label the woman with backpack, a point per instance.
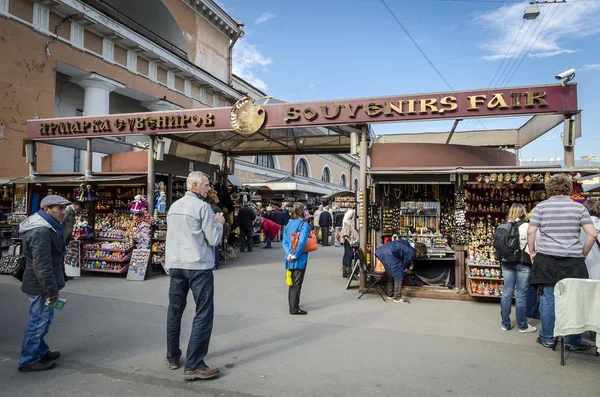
(515, 268)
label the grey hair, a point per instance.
(195, 178)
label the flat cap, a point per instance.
(53, 199)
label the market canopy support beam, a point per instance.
(362, 209)
(452, 131)
(88, 159)
(151, 171)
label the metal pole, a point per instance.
(151, 172)
(363, 196)
(517, 155)
(88, 159)
(33, 163)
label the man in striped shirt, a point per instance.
(558, 253)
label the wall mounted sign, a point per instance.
(246, 118)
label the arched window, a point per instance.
(355, 184)
(343, 180)
(265, 161)
(326, 176)
(302, 168)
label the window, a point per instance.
(343, 180)
(265, 161)
(326, 176)
(302, 168)
(355, 184)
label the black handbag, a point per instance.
(13, 265)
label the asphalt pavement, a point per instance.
(111, 335)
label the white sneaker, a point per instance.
(529, 329)
(507, 329)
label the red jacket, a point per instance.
(270, 228)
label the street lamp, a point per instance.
(532, 11)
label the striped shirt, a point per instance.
(559, 220)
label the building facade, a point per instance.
(63, 58)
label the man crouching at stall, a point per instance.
(397, 256)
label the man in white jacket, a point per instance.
(193, 232)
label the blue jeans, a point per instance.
(515, 279)
(201, 282)
(268, 240)
(548, 316)
(40, 317)
(533, 302)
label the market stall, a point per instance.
(454, 210)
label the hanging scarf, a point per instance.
(56, 226)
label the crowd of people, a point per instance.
(557, 240)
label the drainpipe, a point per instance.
(230, 59)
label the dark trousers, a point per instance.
(393, 287)
(246, 238)
(268, 240)
(201, 282)
(295, 288)
(325, 236)
(347, 258)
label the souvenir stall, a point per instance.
(487, 197)
(110, 225)
(421, 198)
(6, 207)
(420, 209)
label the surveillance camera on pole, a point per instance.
(566, 76)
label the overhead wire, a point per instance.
(536, 39)
(470, 124)
(418, 47)
(379, 73)
(505, 80)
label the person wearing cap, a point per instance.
(44, 250)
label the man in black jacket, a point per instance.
(246, 218)
(325, 222)
(44, 250)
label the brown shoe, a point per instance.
(202, 374)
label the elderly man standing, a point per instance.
(193, 233)
(44, 250)
(558, 254)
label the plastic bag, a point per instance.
(288, 278)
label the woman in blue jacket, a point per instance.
(296, 260)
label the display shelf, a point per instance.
(159, 239)
(126, 259)
(123, 270)
(485, 278)
(490, 266)
(109, 239)
(108, 249)
(499, 201)
(486, 296)
(474, 213)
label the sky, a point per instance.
(336, 49)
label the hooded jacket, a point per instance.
(43, 249)
(396, 256)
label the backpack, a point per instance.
(507, 242)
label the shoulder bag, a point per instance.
(13, 265)
(311, 243)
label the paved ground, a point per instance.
(112, 338)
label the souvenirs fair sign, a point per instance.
(246, 118)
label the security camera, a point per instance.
(566, 76)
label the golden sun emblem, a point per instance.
(246, 118)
